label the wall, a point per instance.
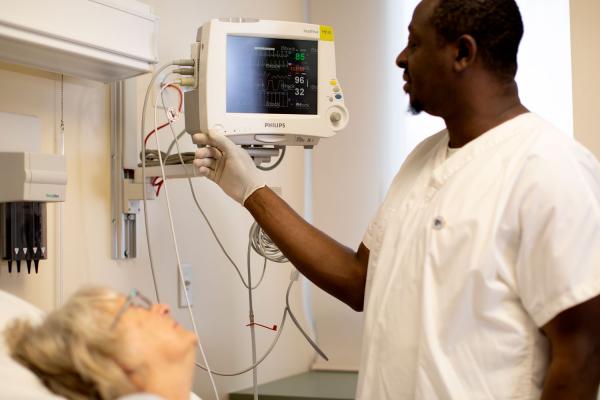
(220, 299)
(347, 184)
(586, 64)
(585, 53)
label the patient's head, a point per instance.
(102, 345)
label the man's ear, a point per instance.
(466, 53)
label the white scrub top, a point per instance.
(470, 255)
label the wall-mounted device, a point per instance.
(266, 82)
(70, 37)
(29, 181)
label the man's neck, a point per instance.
(481, 112)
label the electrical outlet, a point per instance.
(187, 272)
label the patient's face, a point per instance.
(153, 338)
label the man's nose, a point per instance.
(401, 60)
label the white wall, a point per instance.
(220, 299)
(585, 50)
(585, 32)
(544, 75)
(349, 178)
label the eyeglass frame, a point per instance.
(133, 295)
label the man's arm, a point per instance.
(574, 335)
(338, 270)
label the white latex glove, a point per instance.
(227, 164)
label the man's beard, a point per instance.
(415, 107)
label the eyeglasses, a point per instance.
(134, 298)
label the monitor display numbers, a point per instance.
(273, 76)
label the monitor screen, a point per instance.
(273, 76)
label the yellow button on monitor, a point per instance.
(333, 82)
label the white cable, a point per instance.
(252, 327)
(261, 244)
(206, 368)
(264, 356)
(172, 225)
(247, 285)
(276, 339)
(287, 311)
(205, 217)
(264, 247)
(314, 345)
(276, 163)
(144, 199)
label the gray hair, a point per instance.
(74, 351)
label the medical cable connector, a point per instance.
(185, 81)
(184, 71)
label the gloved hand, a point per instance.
(227, 164)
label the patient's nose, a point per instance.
(162, 309)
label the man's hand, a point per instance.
(226, 164)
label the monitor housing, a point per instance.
(265, 83)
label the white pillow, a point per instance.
(16, 381)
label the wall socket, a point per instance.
(187, 272)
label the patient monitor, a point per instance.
(265, 82)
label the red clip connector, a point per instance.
(273, 328)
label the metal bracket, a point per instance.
(125, 193)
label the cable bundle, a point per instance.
(263, 245)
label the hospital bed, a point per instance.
(16, 381)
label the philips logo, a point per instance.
(274, 124)
(52, 196)
(314, 31)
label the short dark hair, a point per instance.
(496, 26)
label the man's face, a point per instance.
(425, 63)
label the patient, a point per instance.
(103, 345)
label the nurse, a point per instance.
(480, 274)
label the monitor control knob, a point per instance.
(338, 117)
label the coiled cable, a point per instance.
(262, 244)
